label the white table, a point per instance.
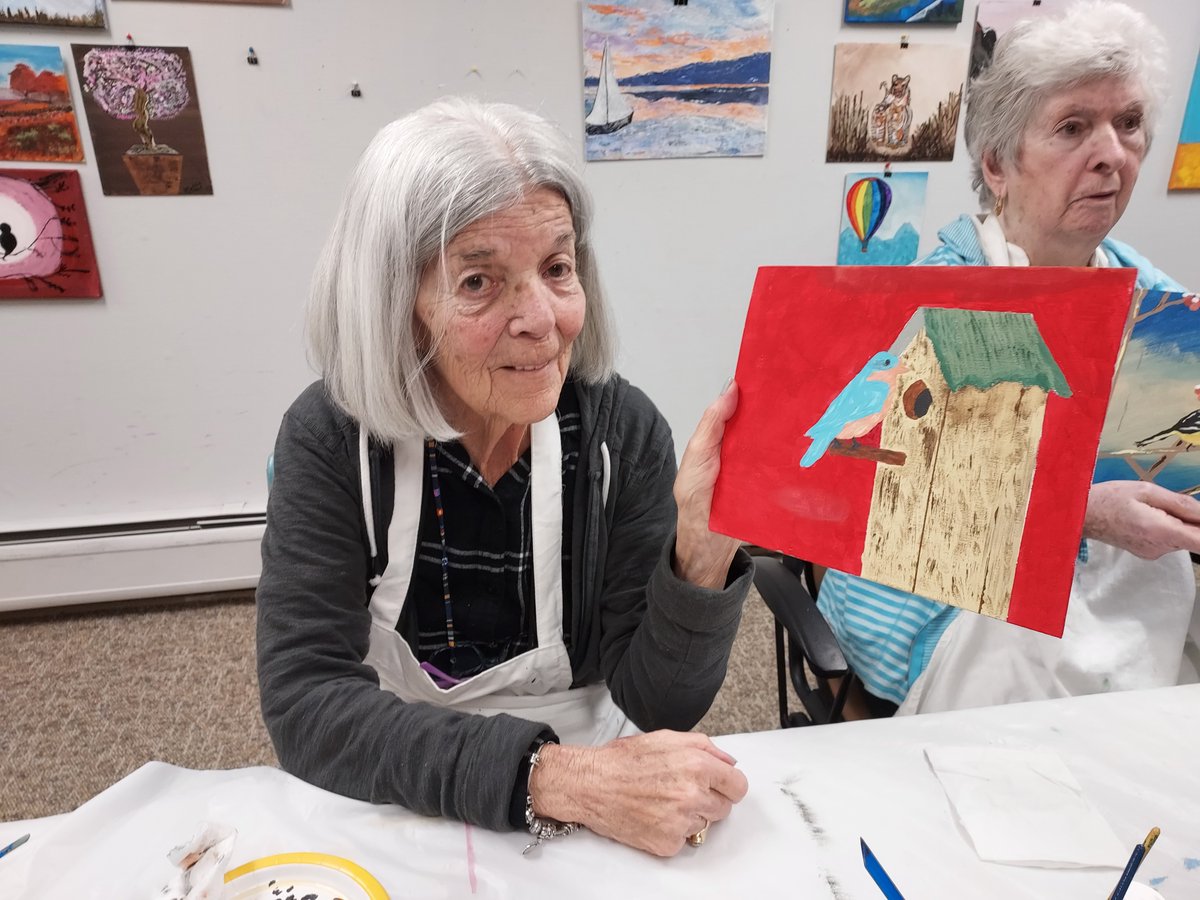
(813, 793)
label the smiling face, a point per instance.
(1074, 174)
(506, 308)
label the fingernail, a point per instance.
(728, 384)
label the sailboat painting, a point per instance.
(666, 79)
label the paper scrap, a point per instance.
(202, 862)
(1024, 807)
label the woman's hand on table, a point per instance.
(650, 791)
(702, 557)
(1143, 518)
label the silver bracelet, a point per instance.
(542, 829)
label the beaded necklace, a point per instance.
(431, 447)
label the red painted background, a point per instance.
(809, 330)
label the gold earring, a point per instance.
(999, 208)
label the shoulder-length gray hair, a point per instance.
(1039, 57)
(422, 180)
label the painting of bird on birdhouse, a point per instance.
(933, 429)
(968, 457)
(1152, 432)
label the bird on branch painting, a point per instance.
(1186, 429)
(858, 408)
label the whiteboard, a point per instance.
(162, 400)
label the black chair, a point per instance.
(803, 640)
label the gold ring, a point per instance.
(698, 838)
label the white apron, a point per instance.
(534, 685)
(1126, 626)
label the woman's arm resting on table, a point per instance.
(650, 791)
(330, 722)
(1143, 518)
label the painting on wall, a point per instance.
(995, 17)
(1185, 172)
(70, 13)
(894, 103)
(881, 218)
(46, 248)
(144, 118)
(1152, 432)
(664, 80)
(937, 433)
(37, 123)
(249, 2)
(910, 12)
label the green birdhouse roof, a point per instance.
(983, 349)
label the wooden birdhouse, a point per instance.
(967, 417)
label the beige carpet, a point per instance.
(89, 696)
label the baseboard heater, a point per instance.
(66, 566)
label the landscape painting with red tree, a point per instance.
(37, 123)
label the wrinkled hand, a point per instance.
(1143, 518)
(701, 556)
(649, 791)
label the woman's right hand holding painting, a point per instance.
(1143, 518)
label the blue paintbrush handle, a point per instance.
(880, 877)
(14, 845)
(1131, 868)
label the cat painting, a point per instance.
(891, 117)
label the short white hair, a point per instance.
(1039, 57)
(421, 181)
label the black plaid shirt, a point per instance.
(490, 552)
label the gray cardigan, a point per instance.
(660, 644)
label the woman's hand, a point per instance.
(701, 556)
(650, 791)
(1143, 518)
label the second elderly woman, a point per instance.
(1057, 129)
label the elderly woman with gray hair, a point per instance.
(477, 542)
(1057, 128)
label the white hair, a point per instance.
(1040, 57)
(421, 181)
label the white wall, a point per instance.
(163, 399)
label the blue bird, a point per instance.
(858, 408)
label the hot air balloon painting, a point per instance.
(881, 218)
(867, 203)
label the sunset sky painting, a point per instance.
(679, 80)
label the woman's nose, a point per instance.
(1109, 152)
(533, 308)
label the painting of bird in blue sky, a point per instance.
(1186, 429)
(858, 408)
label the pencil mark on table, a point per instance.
(805, 811)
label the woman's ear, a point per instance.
(993, 174)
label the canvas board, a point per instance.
(1152, 431)
(968, 479)
(37, 121)
(143, 113)
(882, 214)
(892, 103)
(46, 250)
(664, 80)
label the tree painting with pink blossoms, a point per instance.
(152, 89)
(138, 83)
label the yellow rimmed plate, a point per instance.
(317, 876)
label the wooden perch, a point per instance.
(875, 454)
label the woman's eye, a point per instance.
(1070, 128)
(558, 270)
(475, 283)
(1131, 123)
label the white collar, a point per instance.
(999, 252)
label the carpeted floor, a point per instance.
(89, 696)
